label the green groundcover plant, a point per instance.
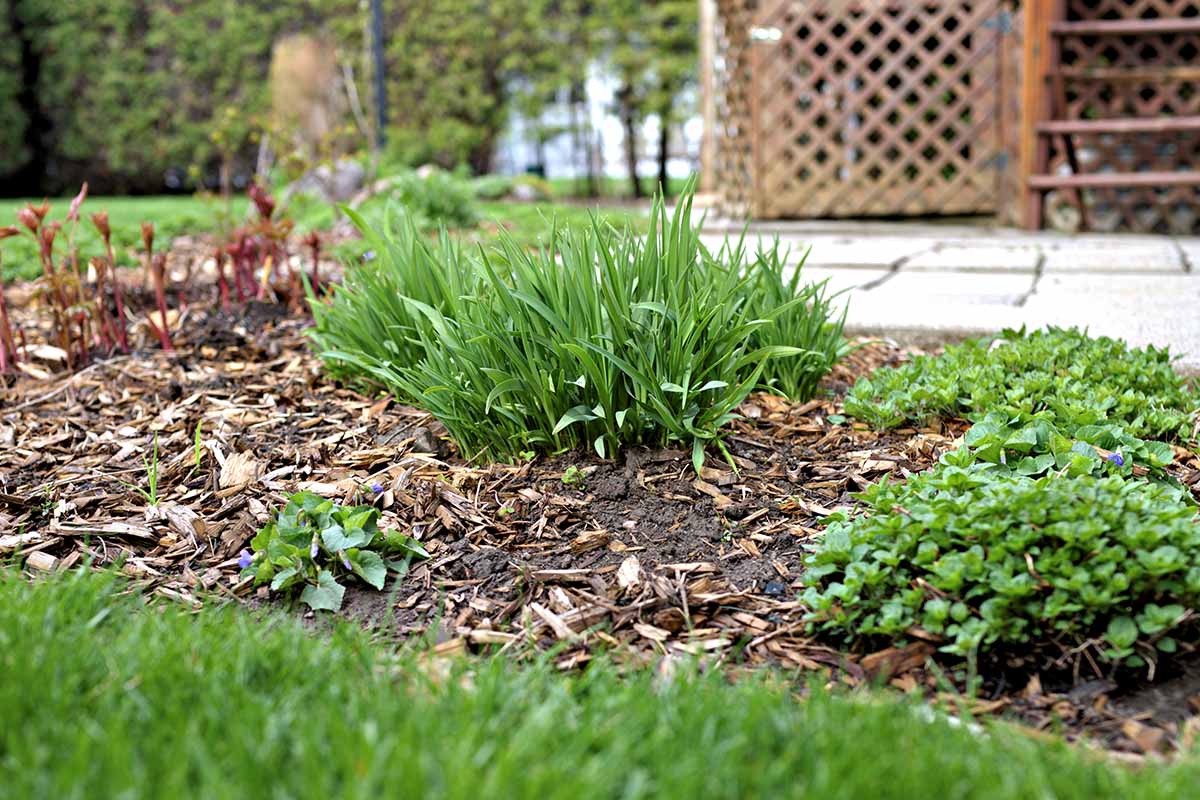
(102, 697)
(983, 559)
(312, 541)
(1059, 375)
(604, 337)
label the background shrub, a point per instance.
(14, 152)
(981, 560)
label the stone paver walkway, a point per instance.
(927, 283)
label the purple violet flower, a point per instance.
(245, 559)
(312, 549)
(345, 560)
(377, 487)
(1117, 459)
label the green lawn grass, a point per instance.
(176, 215)
(610, 186)
(172, 215)
(104, 697)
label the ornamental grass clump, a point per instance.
(603, 338)
(978, 562)
(1059, 375)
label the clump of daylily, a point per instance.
(313, 541)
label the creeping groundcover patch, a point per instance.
(978, 560)
(1059, 375)
(1056, 524)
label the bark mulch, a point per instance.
(637, 556)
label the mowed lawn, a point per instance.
(172, 215)
(104, 695)
(177, 215)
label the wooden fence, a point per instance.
(856, 108)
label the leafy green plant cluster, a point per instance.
(603, 337)
(1062, 376)
(1018, 445)
(982, 560)
(313, 541)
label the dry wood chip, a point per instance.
(486, 636)
(590, 540)
(41, 561)
(651, 632)
(691, 566)
(629, 574)
(886, 663)
(109, 528)
(555, 622)
(565, 576)
(17, 541)
(238, 470)
(1147, 738)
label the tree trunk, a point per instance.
(664, 146)
(629, 122)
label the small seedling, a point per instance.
(150, 493)
(573, 475)
(197, 448)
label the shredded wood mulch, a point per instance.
(637, 556)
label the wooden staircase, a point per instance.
(1045, 100)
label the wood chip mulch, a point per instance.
(637, 556)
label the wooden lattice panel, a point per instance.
(861, 108)
(1135, 76)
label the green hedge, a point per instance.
(134, 87)
(13, 120)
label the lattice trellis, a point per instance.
(1135, 76)
(865, 108)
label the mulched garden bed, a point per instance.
(636, 556)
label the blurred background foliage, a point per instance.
(138, 96)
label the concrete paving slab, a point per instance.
(872, 251)
(958, 282)
(980, 257)
(1112, 255)
(1189, 249)
(844, 279)
(876, 314)
(975, 288)
(833, 251)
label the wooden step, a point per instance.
(1114, 74)
(1127, 27)
(1127, 125)
(1115, 180)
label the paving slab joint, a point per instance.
(1039, 268)
(1183, 256)
(894, 267)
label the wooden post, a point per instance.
(708, 95)
(1034, 105)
